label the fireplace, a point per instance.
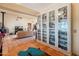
(18, 28)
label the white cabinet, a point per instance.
(63, 27)
(52, 27)
(39, 28)
(56, 28)
(44, 27)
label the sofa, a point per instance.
(24, 34)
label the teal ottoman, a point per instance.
(35, 52)
(23, 53)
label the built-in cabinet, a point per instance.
(39, 29)
(52, 27)
(44, 27)
(55, 28)
(63, 27)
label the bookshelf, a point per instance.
(44, 28)
(39, 29)
(52, 27)
(56, 28)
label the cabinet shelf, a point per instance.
(52, 42)
(63, 45)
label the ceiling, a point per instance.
(18, 8)
(36, 6)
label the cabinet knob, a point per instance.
(75, 31)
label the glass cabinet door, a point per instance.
(63, 27)
(39, 27)
(44, 27)
(52, 27)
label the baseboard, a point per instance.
(73, 54)
(62, 51)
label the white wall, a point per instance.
(75, 27)
(11, 22)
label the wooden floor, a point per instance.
(33, 43)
